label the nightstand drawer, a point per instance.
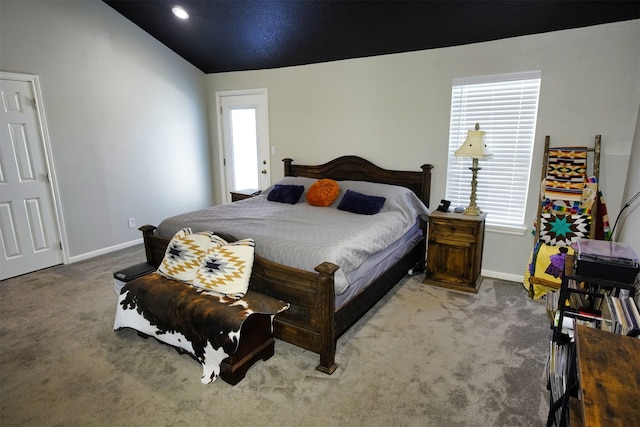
(454, 230)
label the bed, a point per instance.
(317, 315)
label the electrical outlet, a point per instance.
(132, 222)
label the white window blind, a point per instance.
(506, 108)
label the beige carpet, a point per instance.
(424, 356)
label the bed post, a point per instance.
(327, 312)
(426, 184)
(287, 166)
(147, 232)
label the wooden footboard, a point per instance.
(310, 320)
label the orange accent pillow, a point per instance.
(323, 192)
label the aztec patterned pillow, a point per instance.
(184, 254)
(563, 230)
(226, 268)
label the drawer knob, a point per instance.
(453, 229)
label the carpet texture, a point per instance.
(423, 356)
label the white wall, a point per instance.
(126, 116)
(628, 228)
(394, 109)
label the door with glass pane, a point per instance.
(245, 141)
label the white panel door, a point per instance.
(244, 124)
(29, 234)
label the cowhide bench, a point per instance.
(226, 336)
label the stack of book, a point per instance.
(620, 315)
(558, 373)
(617, 314)
(552, 305)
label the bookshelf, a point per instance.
(587, 302)
(599, 303)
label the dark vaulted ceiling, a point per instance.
(235, 35)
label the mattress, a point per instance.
(378, 263)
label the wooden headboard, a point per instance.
(356, 168)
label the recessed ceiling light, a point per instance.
(180, 12)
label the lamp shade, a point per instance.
(474, 146)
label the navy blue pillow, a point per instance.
(286, 193)
(360, 203)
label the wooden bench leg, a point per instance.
(256, 343)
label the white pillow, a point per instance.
(184, 254)
(226, 269)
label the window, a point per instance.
(506, 108)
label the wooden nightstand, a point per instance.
(242, 194)
(454, 252)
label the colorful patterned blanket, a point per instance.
(203, 324)
(566, 172)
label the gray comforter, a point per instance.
(303, 236)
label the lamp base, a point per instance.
(472, 210)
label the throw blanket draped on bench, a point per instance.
(205, 325)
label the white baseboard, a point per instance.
(105, 250)
(518, 278)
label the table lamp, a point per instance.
(474, 147)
